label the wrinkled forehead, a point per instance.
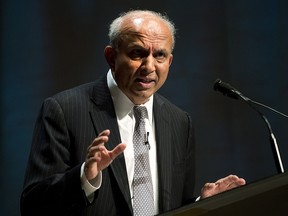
(147, 28)
(145, 24)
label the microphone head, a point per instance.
(226, 89)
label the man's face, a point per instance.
(140, 66)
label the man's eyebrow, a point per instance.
(135, 45)
(163, 50)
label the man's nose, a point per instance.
(149, 64)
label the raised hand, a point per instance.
(98, 157)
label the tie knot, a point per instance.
(140, 112)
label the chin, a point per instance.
(139, 100)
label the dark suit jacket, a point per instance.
(67, 124)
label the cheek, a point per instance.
(124, 75)
(126, 66)
(162, 75)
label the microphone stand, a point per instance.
(273, 141)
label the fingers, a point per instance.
(117, 150)
(104, 133)
(209, 187)
(230, 182)
(98, 145)
(223, 184)
(98, 157)
(98, 142)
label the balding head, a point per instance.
(132, 21)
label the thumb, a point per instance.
(117, 150)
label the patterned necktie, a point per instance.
(143, 202)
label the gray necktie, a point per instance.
(143, 202)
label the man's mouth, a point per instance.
(145, 83)
(144, 80)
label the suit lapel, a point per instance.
(104, 117)
(164, 152)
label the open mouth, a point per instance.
(145, 83)
(144, 80)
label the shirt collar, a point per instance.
(123, 105)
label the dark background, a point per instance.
(48, 46)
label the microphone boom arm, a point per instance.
(230, 91)
(273, 141)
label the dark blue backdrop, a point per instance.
(48, 46)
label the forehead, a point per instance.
(147, 29)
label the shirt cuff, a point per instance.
(90, 187)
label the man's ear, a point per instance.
(110, 55)
(170, 59)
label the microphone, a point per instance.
(227, 90)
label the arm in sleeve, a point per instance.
(90, 187)
(52, 185)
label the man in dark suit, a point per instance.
(81, 160)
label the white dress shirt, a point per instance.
(126, 122)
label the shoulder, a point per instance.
(82, 92)
(84, 89)
(164, 103)
(77, 97)
(164, 107)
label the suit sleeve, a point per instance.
(52, 182)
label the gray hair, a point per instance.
(115, 29)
